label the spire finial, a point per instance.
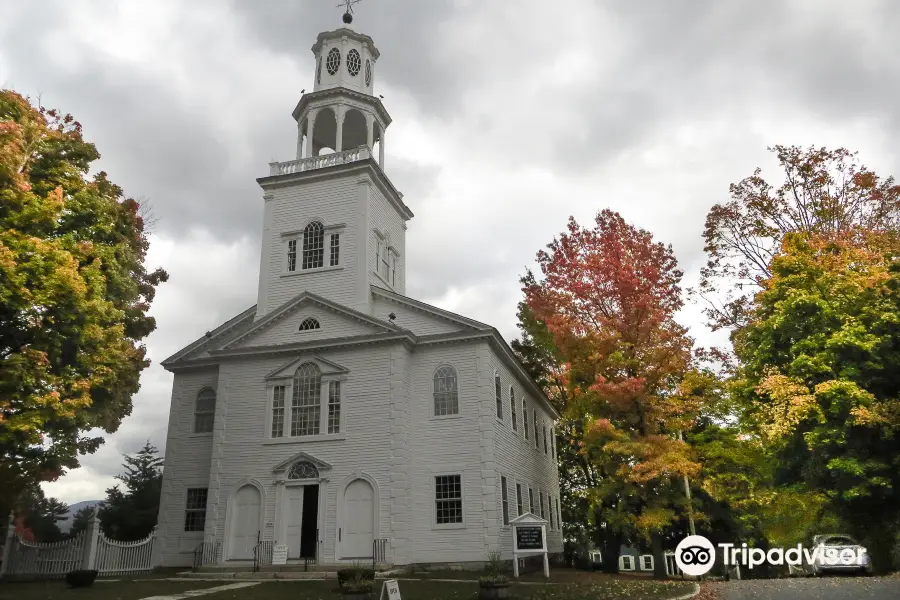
(348, 10)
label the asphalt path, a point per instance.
(809, 588)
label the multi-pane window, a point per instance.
(292, 255)
(498, 393)
(553, 443)
(544, 429)
(394, 262)
(385, 267)
(531, 500)
(558, 513)
(512, 407)
(195, 509)
(335, 256)
(205, 411)
(504, 497)
(306, 401)
(313, 245)
(525, 418)
(541, 501)
(519, 499)
(446, 394)
(537, 441)
(310, 323)
(278, 411)
(448, 499)
(379, 252)
(334, 407)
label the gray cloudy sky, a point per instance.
(508, 117)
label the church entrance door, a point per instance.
(244, 526)
(302, 521)
(359, 520)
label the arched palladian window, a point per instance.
(303, 470)
(306, 401)
(309, 323)
(446, 393)
(205, 411)
(313, 245)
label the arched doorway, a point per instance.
(244, 526)
(359, 520)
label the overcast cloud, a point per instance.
(508, 118)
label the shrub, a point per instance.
(81, 578)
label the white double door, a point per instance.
(244, 527)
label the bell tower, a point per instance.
(334, 224)
(342, 113)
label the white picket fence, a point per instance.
(90, 549)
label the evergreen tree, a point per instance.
(42, 514)
(130, 514)
(81, 519)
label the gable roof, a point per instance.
(428, 308)
(310, 298)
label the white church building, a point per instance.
(338, 414)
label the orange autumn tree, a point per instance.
(608, 296)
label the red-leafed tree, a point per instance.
(608, 297)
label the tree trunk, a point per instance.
(659, 560)
(612, 543)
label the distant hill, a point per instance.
(66, 524)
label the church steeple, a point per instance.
(342, 113)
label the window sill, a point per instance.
(436, 527)
(301, 439)
(308, 271)
(444, 417)
(205, 434)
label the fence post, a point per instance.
(7, 545)
(89, 545)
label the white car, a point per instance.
(839, 553)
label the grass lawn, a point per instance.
(113, 590)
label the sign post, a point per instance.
(390, 590)
(529, 539)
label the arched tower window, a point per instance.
(205, 411)
(306, 401)
(313, 245)
(309, 323)
(303, 470)
(446, 393)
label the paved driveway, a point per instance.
(808, 588)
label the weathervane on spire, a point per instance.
(348, 7)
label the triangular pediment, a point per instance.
(301, 457)
(327, 367)
(528, 519)
(288, 324)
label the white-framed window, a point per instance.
(544, 429)
(558, 513)
(334, 256)
(394, 260)
(379, 251)
(305, 404)
(550, 510)
(512, 407)
(519, 500)
(313, 246)
(537, 441)
(195, 509)
(306, 400)
(504, 499)
(448, 505)
(525, 418)
(531, 500)
(306, 249)
(384, 269)
(626, 562)
(334, 407)
(278, 393)
(553, 443)
(446, 392)
(310, 323)
(205, 411)
(646, 562)
(541, 504)
(498, 393)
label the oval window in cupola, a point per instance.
(333, 62)
(354, 62)
(309, 323)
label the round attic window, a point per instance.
(353, 62)
(333, 62)
(368, 73)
